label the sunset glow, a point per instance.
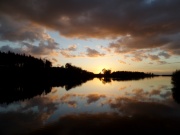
(131, 35)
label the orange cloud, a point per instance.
(94, 97)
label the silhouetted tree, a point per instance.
(68, 65)
(106, 72)
(10, 59)
(48, 64)
(175, 80)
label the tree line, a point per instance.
(25, 76)
(123, 75)
(11, 59)
(21, 66)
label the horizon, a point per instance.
(138, 35)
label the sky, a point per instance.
(128, 35)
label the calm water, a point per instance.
(92, 106)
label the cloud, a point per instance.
(67, 97)
(139, 23)
(131, 107)
(27, 36)
(166, 95)
(72, 48)
(137, 59)
(119, 46)
(7, 48)
(43, 48)
(122, 88)
(139, 55)
(155, 92)
(165, 55)
(106, 123)
(122, 62)
(14, 29)
(162, 62)
(93, 53)
(68, 52)
(72, 104)
(55, 60)
(30, 112)
(153, 57)
(94, 97)
(24, 122)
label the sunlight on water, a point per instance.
(147, 97)
(96, 97)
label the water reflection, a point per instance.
(21, 90)
(94, 108)
(110, 124)
(15, 92)
(176, 94)
(175, 80)
(105, 80)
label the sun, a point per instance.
(100, 68)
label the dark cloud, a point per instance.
(15, 29)
(165, 55)
(27, 37)
(93, 53)
(153, 57)
(162, 62)
(43, 48)
(148, 25)
(167, 94)
(119, 46)
(110, 123)
(7, 48)
(155, 92)
(130, 107)
(27, 116)
(24, 122)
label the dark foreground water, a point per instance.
(96, 107)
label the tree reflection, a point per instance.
(18, 90)
(105, 80)
(176, 86)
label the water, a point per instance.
(94, 107)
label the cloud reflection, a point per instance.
(105, 123)
(94, 97)
(28, 115)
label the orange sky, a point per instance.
(138, 35)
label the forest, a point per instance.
(25, 76)
(23, 67)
